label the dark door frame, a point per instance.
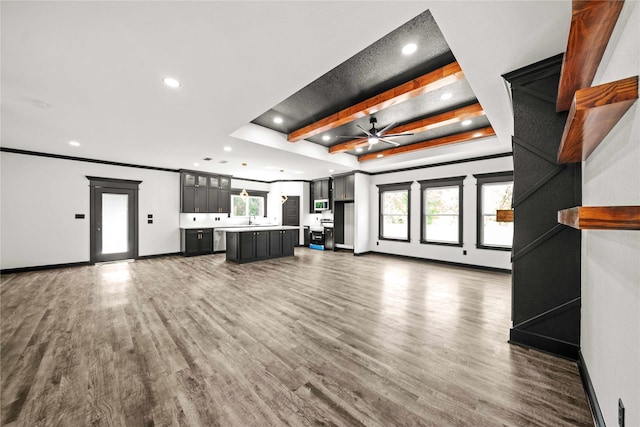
(98, 183)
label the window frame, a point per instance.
(237, 191)
(481, 179)
(443, 182)
(400, 186)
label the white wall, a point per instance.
(610, 336)
(40, 197)
(480, 257)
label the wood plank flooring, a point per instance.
(319, 339)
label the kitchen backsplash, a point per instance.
(191, 220)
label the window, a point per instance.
(441, 211)
(495, 191)
(252, 205)
(393, 206)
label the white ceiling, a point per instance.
(97, 67)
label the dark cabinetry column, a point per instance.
(546, 255)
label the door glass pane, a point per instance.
(115, 227)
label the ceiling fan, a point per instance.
(374, 135)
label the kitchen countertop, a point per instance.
(258, 228)
(220, 227)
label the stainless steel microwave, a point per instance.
(320, 205)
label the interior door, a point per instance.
(291, 211)
(114, 220)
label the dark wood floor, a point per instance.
(319, 339)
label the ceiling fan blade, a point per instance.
(386, 128)
(389, 142)
(350, 136)
(364, 130)
(393, 135)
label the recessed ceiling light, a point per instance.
(446, 96)
(171, 82)
(326, 138)
(227, 148)
(466, 122)
(359, 150)
(74, 143)
(380, 155)
(196, 164)
(410, 48)
(331, 170)
(277, 120)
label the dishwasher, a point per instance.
(219, 241)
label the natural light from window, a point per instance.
(496, 196)
(442, 214)
(395, 205)
(247, 205)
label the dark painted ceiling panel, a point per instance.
(378, 68)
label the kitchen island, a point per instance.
(260, 243)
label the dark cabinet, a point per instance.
(344, 188)
(247, 246)
(194, 193)
(205, 193)
(320, 189)
(275, 242)
(196, 241)
(289, 241)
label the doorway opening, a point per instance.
(113, 219)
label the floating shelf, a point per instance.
(504, 215)
(601, 217)
(594, 112)
(592, 23)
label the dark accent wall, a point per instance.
(546, 255)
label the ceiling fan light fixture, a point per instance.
(409, 48)
(373, 140)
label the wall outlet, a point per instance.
(620, 413)
(377, 243)
(464, 252)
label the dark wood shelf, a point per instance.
(594, 112)
(592, 23)
(601, 217)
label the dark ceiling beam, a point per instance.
(592, 23)
(437, 142)
(426, 83)
(446, 118)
